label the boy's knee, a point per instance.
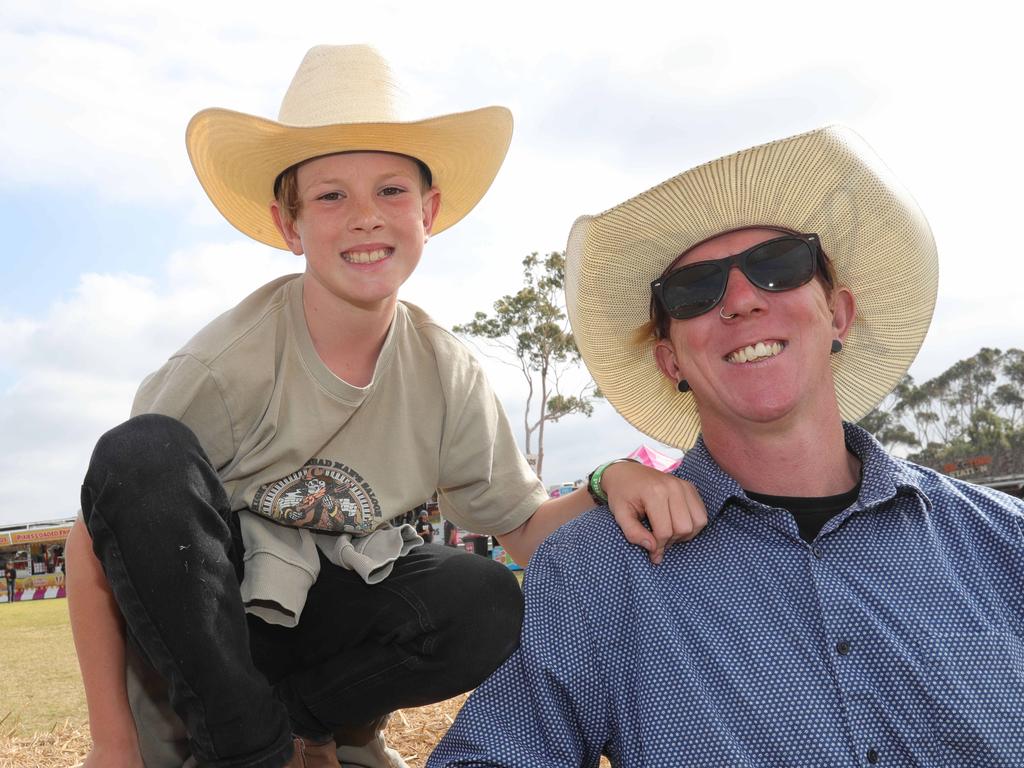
(150, 477)
(146, 454)
(489, 602)
(148, 441)
(482, 579)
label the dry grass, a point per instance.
(43, 721)
(40, 686)
(59, 747)
(413, 732)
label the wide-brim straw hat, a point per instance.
(342, 99)
(828, 182)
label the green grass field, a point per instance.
(40, 686)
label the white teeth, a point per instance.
(366, 257)
(757, 351)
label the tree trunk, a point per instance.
(543, 418)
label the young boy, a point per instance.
(234, 531)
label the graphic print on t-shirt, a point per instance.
(324, 495)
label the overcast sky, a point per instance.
(114, 257)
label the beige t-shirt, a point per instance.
(309, 453)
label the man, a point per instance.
(841, 607)
(450, 533)
(11, 577)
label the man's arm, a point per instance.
(672, 507)
(547, 705)
(99, 636)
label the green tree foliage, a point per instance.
(531, 328)
(974, 407)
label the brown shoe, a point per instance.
(308, 754)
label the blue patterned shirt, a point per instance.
(895, 638)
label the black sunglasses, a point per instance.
(781, 264)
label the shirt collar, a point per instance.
(882, 476)
(715, 486)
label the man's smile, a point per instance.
(753, 352)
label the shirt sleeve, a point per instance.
(185, 389)
(485, 485)
(546, 706)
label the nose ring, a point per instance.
(721, 314)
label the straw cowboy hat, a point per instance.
(826, 181)
(342, 99)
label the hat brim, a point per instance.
(828, 182)
(237, 157)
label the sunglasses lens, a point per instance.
(780, 265)
(776, 265)
(693, 290)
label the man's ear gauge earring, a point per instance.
(683, 385)
(837, 346)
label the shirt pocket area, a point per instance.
(974, 697)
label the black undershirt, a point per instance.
(810, 512)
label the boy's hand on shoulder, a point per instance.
(673, 507)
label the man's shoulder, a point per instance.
(941, 489)
(592, 542)
(589, 568)
(884, 471)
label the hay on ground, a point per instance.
(413, 732)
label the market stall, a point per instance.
(35, 554)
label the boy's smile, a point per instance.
(366, 257)
(362, 223)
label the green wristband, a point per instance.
(594, 481)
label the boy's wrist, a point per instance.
(594, 487)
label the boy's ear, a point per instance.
(286, 226)
(431, 207)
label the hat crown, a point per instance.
(341, 84)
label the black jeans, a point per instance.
(171, 549)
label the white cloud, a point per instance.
(97, 96)
(76, 370)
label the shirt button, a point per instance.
(816, 551)
(872, 755)
(842, 647)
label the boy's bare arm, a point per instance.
(99, 636)
(673, 508)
